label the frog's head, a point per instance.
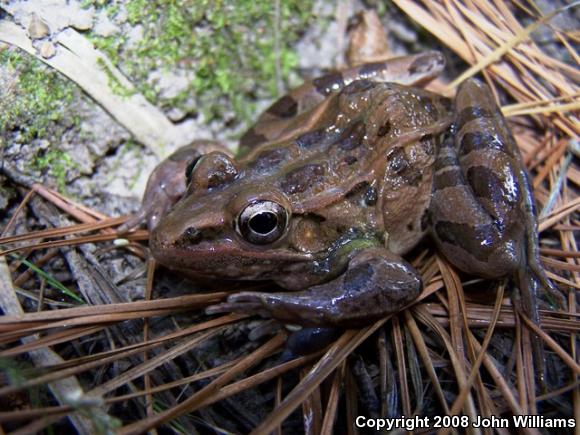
(229, 224)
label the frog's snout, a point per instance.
(163, 238)
(157, 241)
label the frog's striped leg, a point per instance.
(375, 284)
(291, 113)
(482, 209)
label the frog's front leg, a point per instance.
(375, 284)
(168, 182)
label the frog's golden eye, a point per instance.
(262, 222)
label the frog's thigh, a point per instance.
(477, 210)
(282, 115)
(376, 283)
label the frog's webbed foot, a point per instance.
(133, 221)
(167, 183)
(375, 284)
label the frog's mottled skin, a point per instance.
(351, 170)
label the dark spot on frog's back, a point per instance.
(352, 137)
(251, 139)
(356, 279)
(397, 160)
(270, 158)
(384, 129)
(350, 160)
(285, 107)
(446, 103)
(300, 179)
(358, 86)
(399, 165)
(428, 143)
(329, 83)
(311, 139)
(443, 162)
(371, 196)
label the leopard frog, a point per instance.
(336, 181)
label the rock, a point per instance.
(170, 84)
(176, 114)
(104, 26)
(37, 29)
(134, 36)
(47, 49)
(82, 20)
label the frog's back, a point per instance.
(366, 160)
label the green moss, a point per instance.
(37, 98)
(228, 45)
(40, 102)
(56, 163)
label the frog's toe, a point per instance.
(133, 221)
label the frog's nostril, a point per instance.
(191, 235)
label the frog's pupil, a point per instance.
(264, 222)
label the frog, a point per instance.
(335, 183)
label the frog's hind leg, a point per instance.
(482, 208)
(375, 284)
(292, 113)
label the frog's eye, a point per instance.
(262, 222)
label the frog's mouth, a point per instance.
(212, 253)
